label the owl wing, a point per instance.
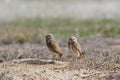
(55, 47)
(78, 47)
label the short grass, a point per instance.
(31, 29)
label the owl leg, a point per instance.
(57, 57)
(61, 59)
(53, 57)
(74, 58)
(78, 59)
(79, 55)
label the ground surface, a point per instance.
(23, 39)
(101, 62)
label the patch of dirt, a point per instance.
(23, 71)
(101, 62)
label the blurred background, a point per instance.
(30, 20)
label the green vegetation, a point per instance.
(23, 30)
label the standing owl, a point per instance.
(53, 46)
(75, 47)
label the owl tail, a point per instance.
(84, 52)
(60, 55)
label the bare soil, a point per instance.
(101, 61)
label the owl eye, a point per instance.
(71, 42)
(49, 36)
(71, 39)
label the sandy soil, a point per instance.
(14, 71)
(101, 62)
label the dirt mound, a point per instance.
(101, 62)
(100, 66)
(20, 70)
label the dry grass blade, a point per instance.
(38, 61)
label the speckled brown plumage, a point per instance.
(53, 45)
(75, 47)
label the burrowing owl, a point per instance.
(75, 47)
(53, 46)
